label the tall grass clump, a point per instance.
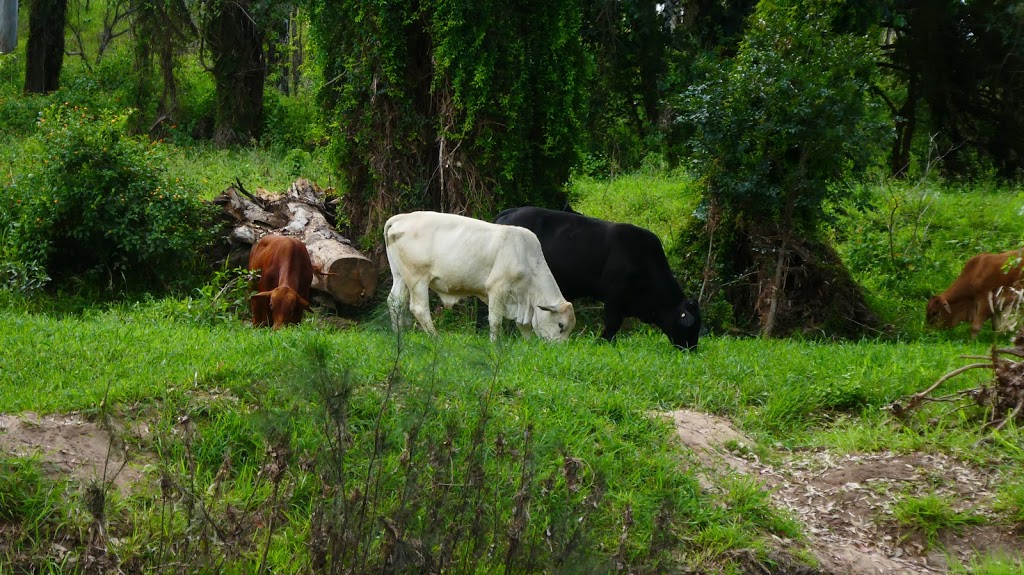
(932, 515)
(34, 516)
(92, 203)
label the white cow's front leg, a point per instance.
(419, 304)
(495, 313)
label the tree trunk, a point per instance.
(45, 54)
(296, 55)
(342, 271)
(777, 286)
(239, 70)
(899, 157)
(8, 26)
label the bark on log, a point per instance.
(342, 271)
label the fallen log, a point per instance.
(342, 271)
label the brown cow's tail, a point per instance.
(319, 272)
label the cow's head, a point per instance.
(286, 305)
(554, 322)
(938, 312)
(682, 326)
(945, 314)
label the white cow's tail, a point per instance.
(387, 228)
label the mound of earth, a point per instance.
(845, 501)
(68, 445)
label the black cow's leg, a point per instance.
(612, 321)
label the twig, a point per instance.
(1012, 415)
(1011, 351)
(916, 399)
(241, 189)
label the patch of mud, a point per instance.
(69, 445)
(845, 502)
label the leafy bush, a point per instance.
(290, 121)
(224, 299)
(92, 200)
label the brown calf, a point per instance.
(985, 285)
(286, 274)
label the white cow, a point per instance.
(460, 257)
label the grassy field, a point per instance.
(534, 411)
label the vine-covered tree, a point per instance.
(773, 130)
(451, 105)
(162, 31)
(45, 52)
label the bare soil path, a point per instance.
(845, 501)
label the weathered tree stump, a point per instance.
(342, 271)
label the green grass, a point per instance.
(213, 169)
(932, 515)
(992, 565)
(1010, 501)
(586, 399)
(656, 201)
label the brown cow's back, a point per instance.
(286, 274)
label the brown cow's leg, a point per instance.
(981, 313)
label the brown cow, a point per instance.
(983, 287)
(286, 274)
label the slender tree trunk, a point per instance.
(45, 54)
(239, 70)
(8, 26)
(899, 157)
(777, 287)
(296, 38)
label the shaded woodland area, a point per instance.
(775, 105)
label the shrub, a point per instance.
(92, 200)
(290, 121)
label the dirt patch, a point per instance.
(69, 445)
(845, 502)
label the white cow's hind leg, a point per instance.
(420, 306)
(398, 302)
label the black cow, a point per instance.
(621, 265)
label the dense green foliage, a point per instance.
(780, 123)
(954, 82)
(89, 200)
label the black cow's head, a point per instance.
(682, 326)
